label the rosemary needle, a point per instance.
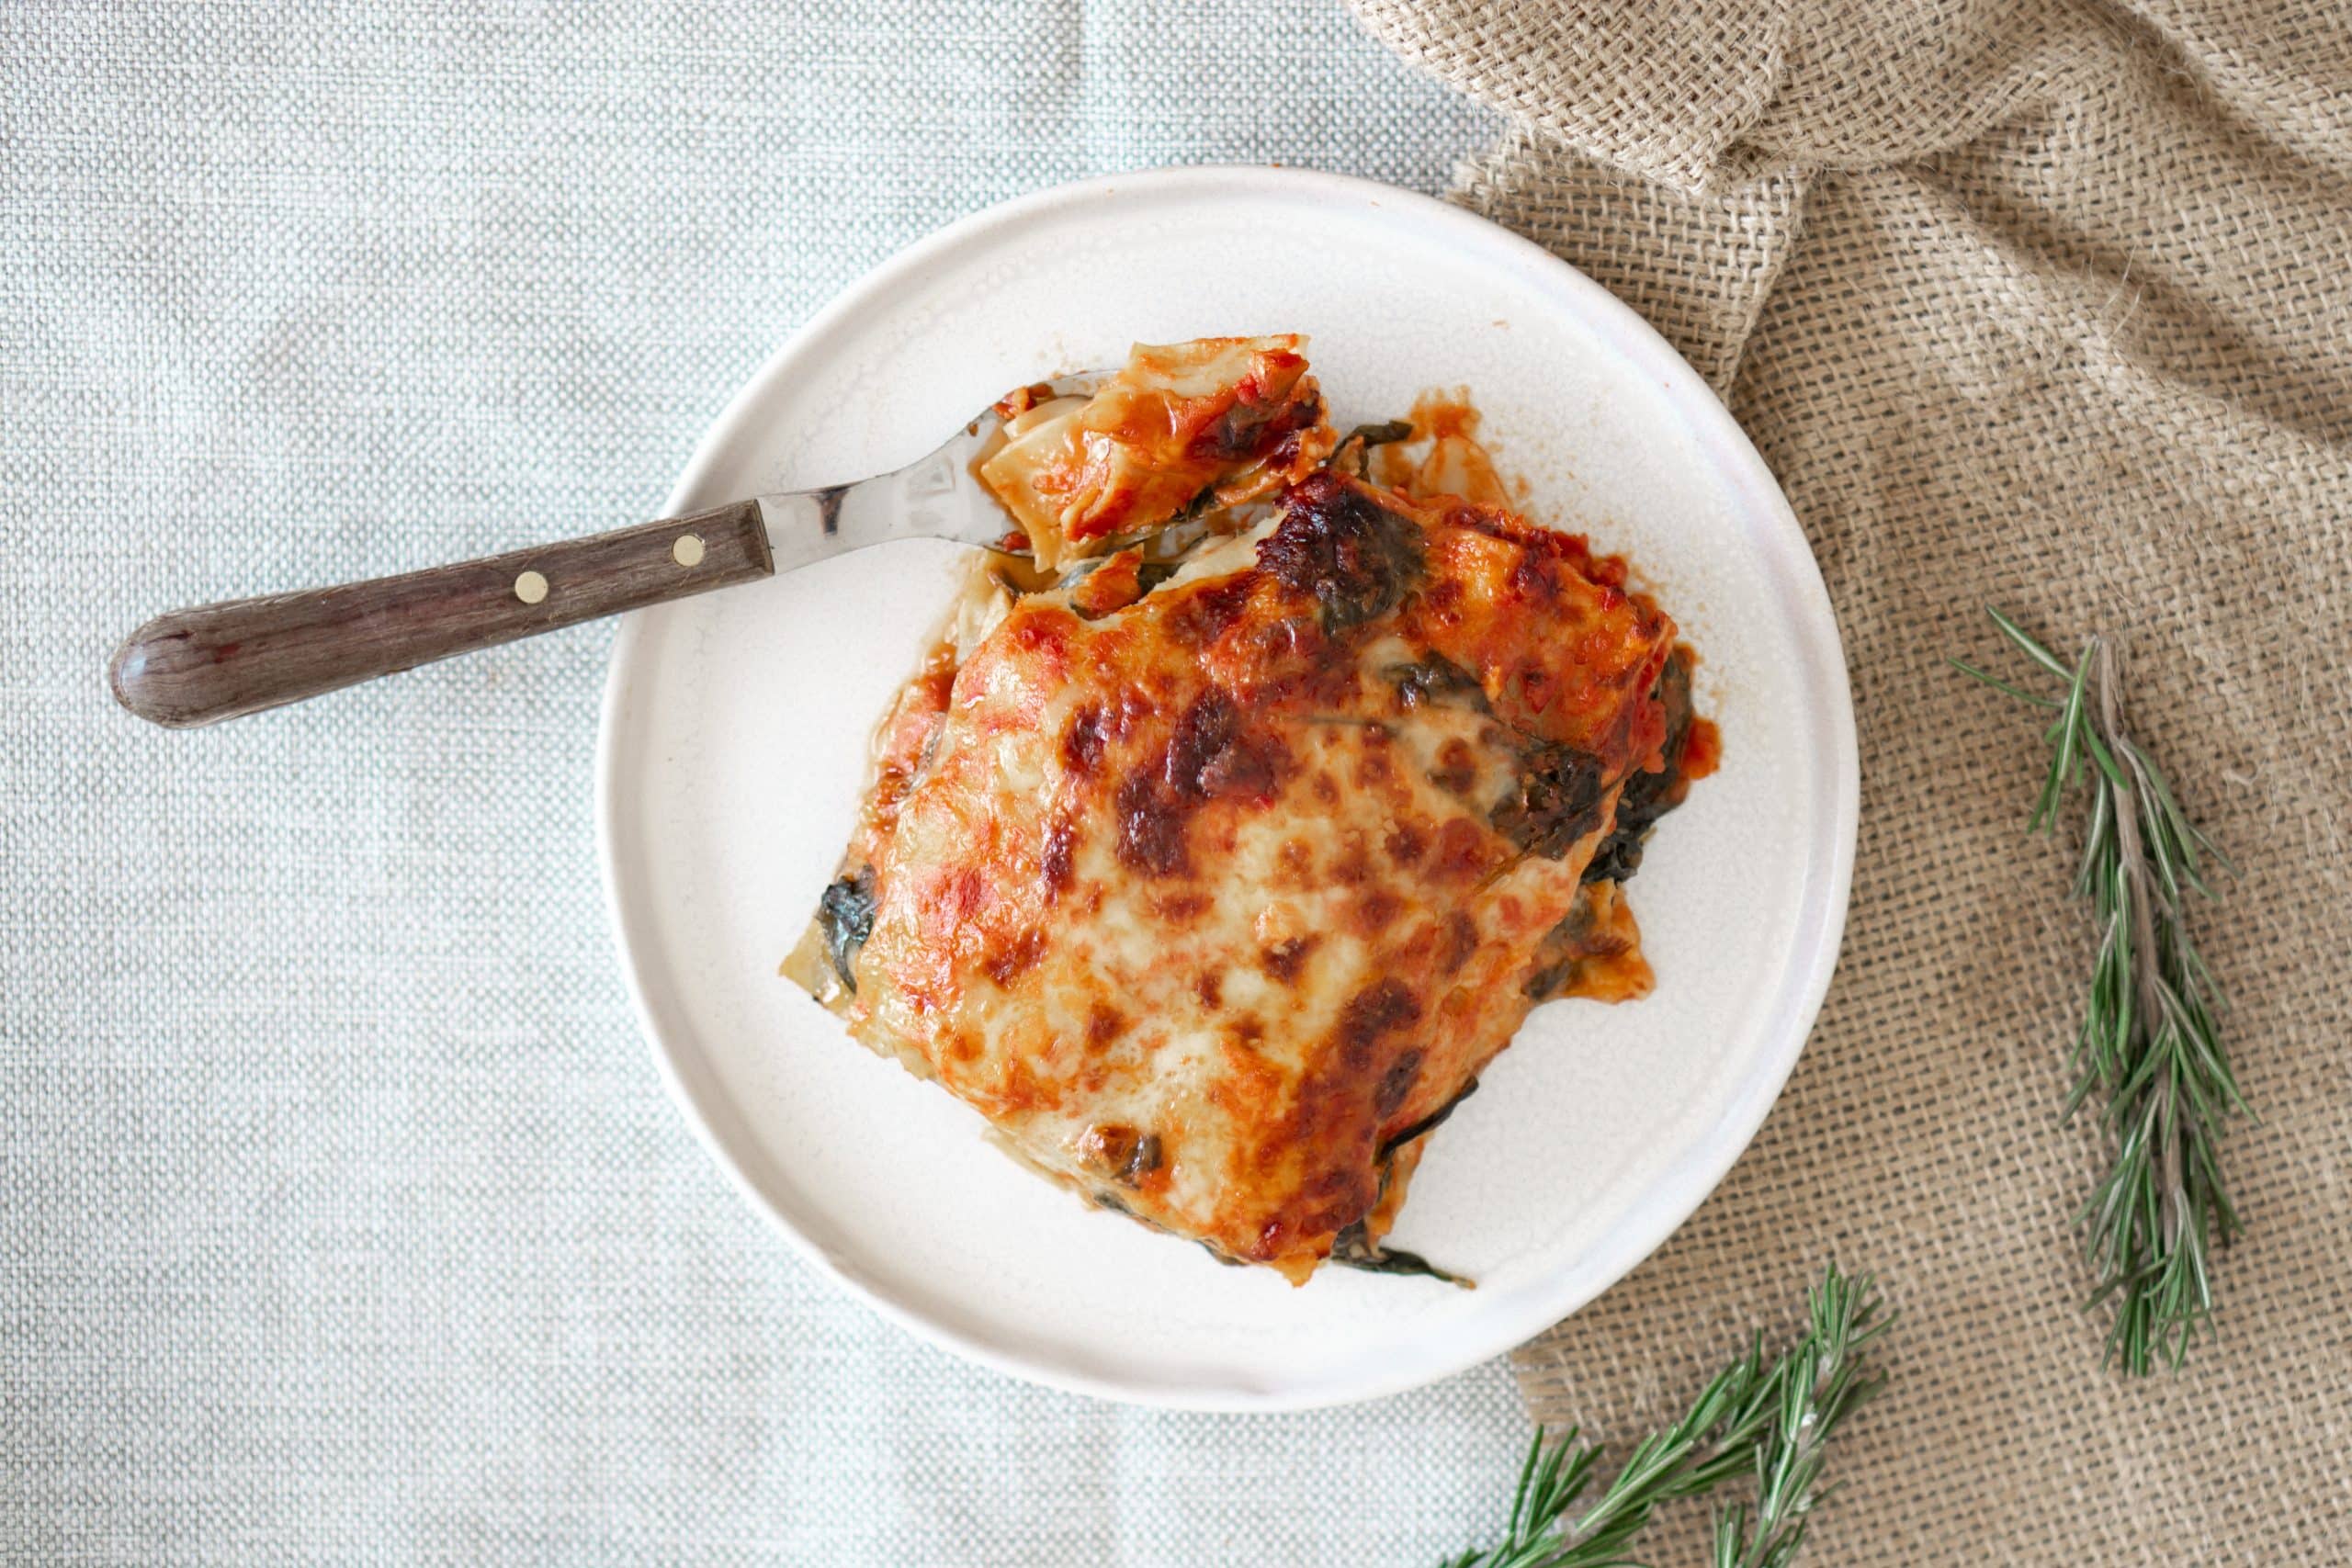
(2150, 1044)
(1765, 1424)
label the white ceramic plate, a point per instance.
(734, 734)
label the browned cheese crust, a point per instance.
(1210, 895)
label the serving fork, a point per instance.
(197, 666)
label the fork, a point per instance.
(198, 665)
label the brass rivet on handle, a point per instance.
(530, 588)
(687, 551)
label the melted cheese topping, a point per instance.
(1210, 897)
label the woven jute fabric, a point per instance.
(2046, 306)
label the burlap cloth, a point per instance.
(2050, 306)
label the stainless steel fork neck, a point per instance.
(938, 496)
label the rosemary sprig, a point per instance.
(2150, 1044)
(1765, 1424)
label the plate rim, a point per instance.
(1668, 1203)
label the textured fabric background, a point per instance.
(2044, 303)
(341, 1214)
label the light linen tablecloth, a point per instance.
(341, 1214)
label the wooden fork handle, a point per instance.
(193, 667)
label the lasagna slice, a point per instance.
(1213, 890)
(1215, 422)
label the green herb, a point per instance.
(1382, 433)
(1648, 796)
(1354, 1249)
(2150, 1046)
(846, 914)
(1766, 1426)
(1425, 1126)
(1353, 453)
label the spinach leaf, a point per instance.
(845, 911)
